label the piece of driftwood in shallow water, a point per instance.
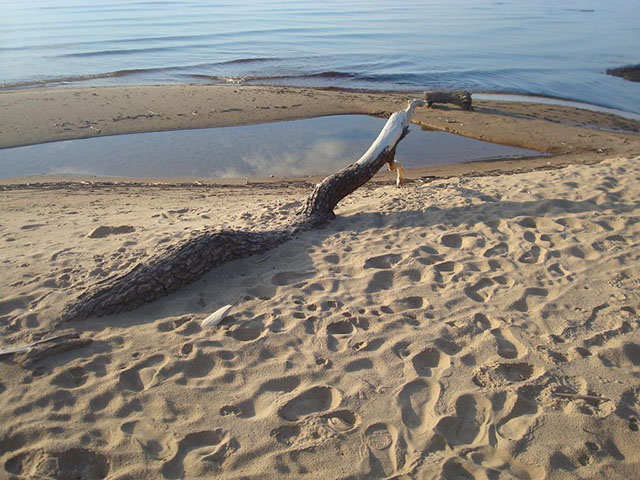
(32, 352)
(458, 97)
(183, 263)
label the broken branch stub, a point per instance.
(183, 263)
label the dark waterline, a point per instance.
(284, 149)
(557, 49)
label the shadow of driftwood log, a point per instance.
(489, 213)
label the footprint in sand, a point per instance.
(201, 454)
(106, 230)
(522, 305)
(452, 240)
(198, 366)
(286, 434)
(531, 256)
(383, 451)
(454, 468)
(502, 374)
(448, 345)
(470, 424)
(71, 378)
(522, 411)
(226, 410)
(581, 252)
(493, 460)
(412, 274)
(381, 280)
(556, 271)
(359, 364)
(341, 421)
(332, 259)
(383, 261)
(260, 404)
(416, 401)
(338, 334)
(507, 345)
(314, 400)
(482, 322)
(67, 464)
(289, 278)
(175, 324)
(141, 376)
(249, 331)
(408, 303)
(155, 443)
(481, 291)
(631, 352)
(429, 360)
(100, 401)
(499, 250)
(447, 271)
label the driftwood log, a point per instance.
(458, 97)
(185, 262)
(631, 72)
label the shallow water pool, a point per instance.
(284, 149)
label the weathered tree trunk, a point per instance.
(457, 97)
(183, 263)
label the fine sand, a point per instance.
(470, 325)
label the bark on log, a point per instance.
(183, 263)
(458, 97)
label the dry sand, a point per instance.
(465, 327)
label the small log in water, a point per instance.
(183, 263)
(631, 72)
(458, 97)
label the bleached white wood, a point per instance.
(391, 133)
(216, 317)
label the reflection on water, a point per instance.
(295, 148)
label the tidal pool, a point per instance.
(284, 149)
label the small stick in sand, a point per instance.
(399, 169)
(595, 398)
(263, 259)
(35, 351)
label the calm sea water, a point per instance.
(549, 47)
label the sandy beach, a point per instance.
(482, 322)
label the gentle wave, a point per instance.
(76, 78)
(102, 53)
(135, 72)
(402, 78)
